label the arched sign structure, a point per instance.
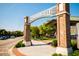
(61, 11)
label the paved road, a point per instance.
(38, 48)
(5, 45)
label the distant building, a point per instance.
(73, 21)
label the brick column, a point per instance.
(77, 28)
(63, 29)
(27, 31)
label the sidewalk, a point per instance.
(38, 49)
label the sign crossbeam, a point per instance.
(50, 12)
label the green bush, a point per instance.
(54, 43)
(20, 44)
(73, 44)
(44, 38)
(75, 53)
(55, 54)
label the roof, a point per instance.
(73, 20)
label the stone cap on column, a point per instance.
(62, 8)
(26, 18)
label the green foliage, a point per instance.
(47, 29)
(18, 33)
(34, 31)
(51, 28)
(40, 38)
(42, 31)
(55, 54)
(75, 53)
(54, 42)
(20, 44)
(73, 44)
(3, 32)
(11, 33)
(43, 38)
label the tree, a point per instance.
(47, 29)
(51, 29)
(34, 31)
(42, 29)
(3, 32)
(17, 33)
(10, 33)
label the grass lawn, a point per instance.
(46, 41)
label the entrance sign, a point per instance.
(62, 11)
(43, 14)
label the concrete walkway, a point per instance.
(38, 49)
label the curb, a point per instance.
(17, 52)
(14, 51)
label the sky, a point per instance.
(12, 15)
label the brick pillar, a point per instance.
(63, 29)
(27, 31)
(77, 28)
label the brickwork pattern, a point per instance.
(63, 27)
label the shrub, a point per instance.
(75, 53)
(73, 44)
(44, 38)
(54, 42)
(20, 44)
(55, 54)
